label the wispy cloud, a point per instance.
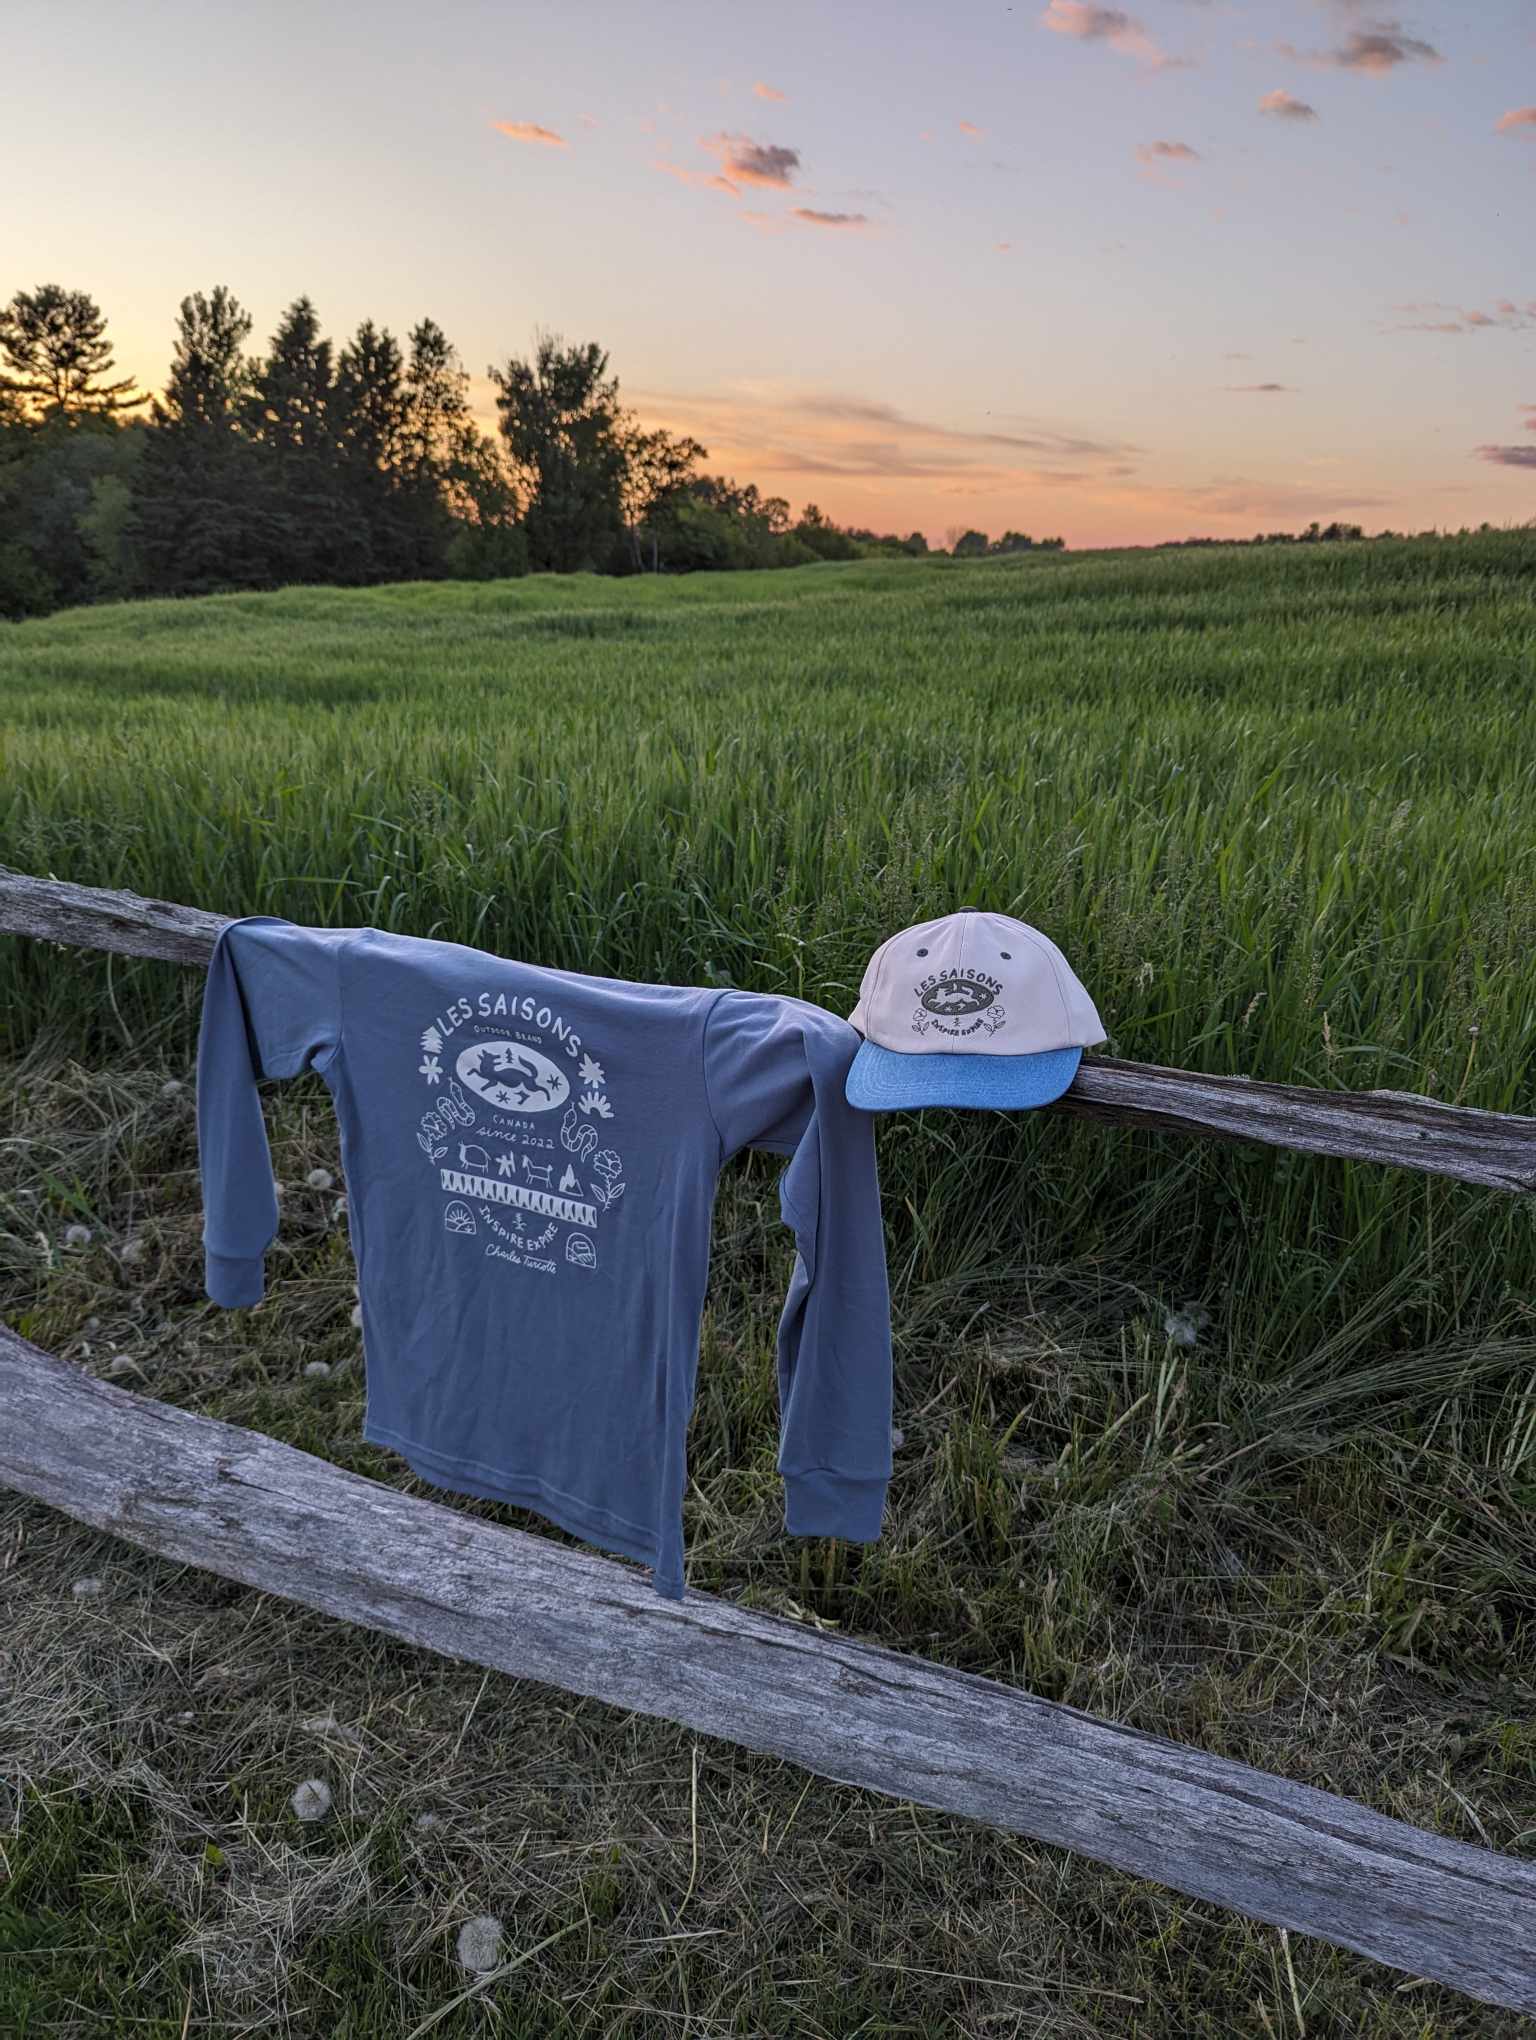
(1287, 108)
(1377, 48)
(1517, 117)
(1240, 496)
(811, 218)
(1506, 316)
(1261, 389)
(767, 91)
(1513, 456)
(530, 131)
(704, 180)
(1109, 25)
(1167, 152)
(743, 161)
(774, 429)
(1237, 357)
(969, 127)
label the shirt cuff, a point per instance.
(234, 1281)
(827, 1504)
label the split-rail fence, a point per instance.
(242, 1505)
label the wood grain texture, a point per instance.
(1494, 1149)
(214, 1495)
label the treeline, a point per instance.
(350, 465)
(309, 462)
(1322, 534)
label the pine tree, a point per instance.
(55, 347)
(370, 415)
(197, 517)
(288, 414)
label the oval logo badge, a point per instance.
(956, 997)
(512, 1077)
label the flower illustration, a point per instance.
(591, 1073)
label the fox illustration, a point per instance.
(513, 1071)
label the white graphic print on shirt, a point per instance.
(512, 1072)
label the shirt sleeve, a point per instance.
(271, 1007)
(775, 1071)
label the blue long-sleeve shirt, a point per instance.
(531, 1158)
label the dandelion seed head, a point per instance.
(77, 1235)
(480, 1944)
(317, 1370)
(320, 1179)
(86, 1589)
(312, 1799)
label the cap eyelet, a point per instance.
(1006, 955)
(922, 952)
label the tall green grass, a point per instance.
(1279, 807)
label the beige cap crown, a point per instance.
(974, 983)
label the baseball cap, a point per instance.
(973, 1009)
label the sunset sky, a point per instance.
(1192, 266)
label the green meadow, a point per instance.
(1230, 1444)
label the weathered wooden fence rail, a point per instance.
(254, 1510)
(213, 1495)
(1496, 1149)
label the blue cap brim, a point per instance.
(880, 1080)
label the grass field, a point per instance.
(1279, 808)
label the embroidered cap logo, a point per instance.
(959, 1002)
(957, 994)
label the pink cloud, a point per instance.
(704, 180)
(530, 131)
(1517, 117)
(1509, 456)
(1286, 107)
(1506, 316)
(969, 127)
(811, 218)
(1376, 49)
(1111, 25)
(1261, 389)
(1167, 152)
(743, 161)
(766, 91)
